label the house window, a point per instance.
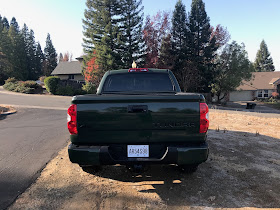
(262, 93)
(265, 95)
(71, 76)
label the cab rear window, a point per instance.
(138, 82)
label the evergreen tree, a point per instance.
(5, 23)
(180, 36)
(263, 60)
(102, 34)
(31, 57)
(14, 23)
(166, 56)
(202, 48)
(18, 54)
(5, 51)
(131, 27)
(50, 57)
(39, 59)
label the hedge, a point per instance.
(51, 84)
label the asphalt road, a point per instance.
(29, 139)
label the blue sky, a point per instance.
(247, 21)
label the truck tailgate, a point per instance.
(136, 119)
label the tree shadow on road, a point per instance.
(243, 170)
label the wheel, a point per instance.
(91, 169)
(188, 169)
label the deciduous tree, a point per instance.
(233, 66)
(221, 35)
(154, 30)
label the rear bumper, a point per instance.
(100, 155)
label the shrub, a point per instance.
(275, 95)
(272, 100)
(68, 91)
(19, 86)
(65, 91)
(11, 79)
(31, 84)
(10, 86)
(89, 88)
(51, 84)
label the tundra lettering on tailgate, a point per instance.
(174, 125)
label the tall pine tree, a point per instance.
(263, 60)
(166, 56)
(50, 57)
(18, 55)
(202, 47)
(180, 36)
(5, 23)
(5, 51)
(132, 43)
(39, 59)
(102, 33)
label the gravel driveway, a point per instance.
(243, 170)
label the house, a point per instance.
(70, 70)
(262, 85)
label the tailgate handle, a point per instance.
(137, 108)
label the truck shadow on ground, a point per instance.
(243, 170)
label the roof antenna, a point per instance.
(134, 65)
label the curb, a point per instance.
(7, 113)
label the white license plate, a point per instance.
(137, 150)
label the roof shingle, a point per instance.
(260, 81)
(73, 67)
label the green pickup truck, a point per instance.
(138, 117)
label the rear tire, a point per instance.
(91, 169)
(189, 169)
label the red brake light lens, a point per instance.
(72, 119)
(138, 70)
(204, 118)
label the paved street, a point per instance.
(29, 139)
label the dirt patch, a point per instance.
(243, 170)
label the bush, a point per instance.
(31, 84)
(89, 88)
(68, 91)
(51, 84)
(10, 86)
(22, 87)
(11, 79)
(65, 91)
(272, 100)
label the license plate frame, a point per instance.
(138, 151)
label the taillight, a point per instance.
(204, 118)
(138, 70)
(72, 119)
